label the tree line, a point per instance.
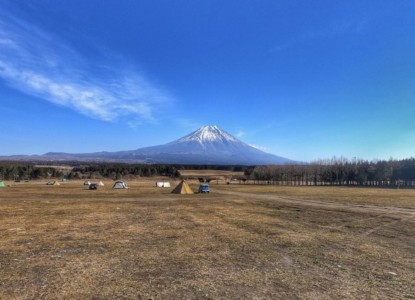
(18, 170)
(10, 170)
(335, 171)
(339, 172)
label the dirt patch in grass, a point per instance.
(145, 243)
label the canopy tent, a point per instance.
(120, 185)
(163, 184)
(182, 188)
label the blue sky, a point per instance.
(301, 79)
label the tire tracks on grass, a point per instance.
(401, 214)
(329, 205)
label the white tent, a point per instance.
(162, 184)
(120, 185)
(100, 183)
(87, 182)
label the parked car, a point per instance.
(93, 186)
(204, 188)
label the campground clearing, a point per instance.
(238, 242)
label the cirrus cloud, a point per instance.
(42, 65)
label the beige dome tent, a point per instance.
(182, 188)
(100, 183)
(120, 185)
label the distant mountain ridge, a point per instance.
(206, 145)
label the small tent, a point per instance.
(162, 184)
(53, 183)
(100, 183)
(87, 182)
(120, 185)
(2, 184)
(182, 188)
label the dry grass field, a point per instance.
(238, 242)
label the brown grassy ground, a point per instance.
(249, 242)
(373, 196)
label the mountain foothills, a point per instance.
(207, 145)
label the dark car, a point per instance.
(93, 186)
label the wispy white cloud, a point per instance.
(260, 147)
(43, 65)
(240, 133)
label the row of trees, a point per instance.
(340, 172)
(10, 170)
(324, 172)
(118, 171)
(22, 171)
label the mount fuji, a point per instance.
(207, 145)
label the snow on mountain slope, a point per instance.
(207, 134)
(207, 145)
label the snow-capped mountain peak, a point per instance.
(208, 134)
(213, 145)
(207, 145)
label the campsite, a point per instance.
(207, 150)
(240, 241)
